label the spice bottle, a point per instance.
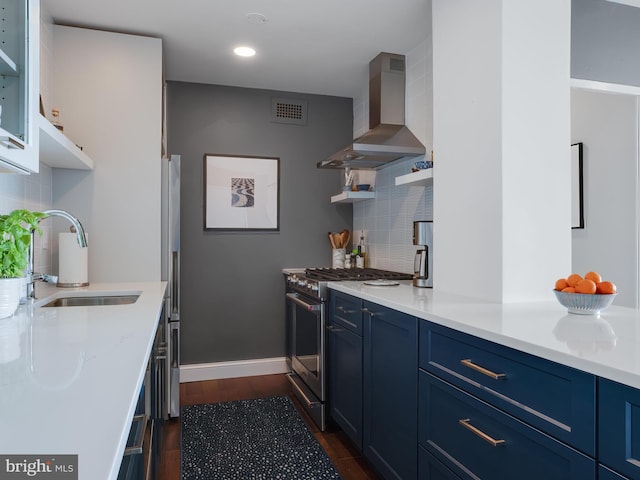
(362, 252)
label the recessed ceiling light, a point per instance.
(244, 51)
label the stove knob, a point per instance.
(302, 282)
(314, 287)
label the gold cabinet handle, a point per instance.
(496, 376)
(340, 308)
(487, 438)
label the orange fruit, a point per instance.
(561, 284)
(595, 276)
(605, 288)
(586, 286)
(569, 290)
(573, 279)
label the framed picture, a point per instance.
(241, 192)
(577, 187)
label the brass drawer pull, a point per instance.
(484, 371)
(340, 308)
(465, 423)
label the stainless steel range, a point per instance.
(306, 297)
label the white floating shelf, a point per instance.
(421, 177)
(57, 151)
(350, 197)
(7, 66)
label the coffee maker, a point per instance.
(423, 264)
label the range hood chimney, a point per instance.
(388, 138)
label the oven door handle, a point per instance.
(294, 297)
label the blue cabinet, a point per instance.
(428, 402)
(344, 334)
(477, 440)
(429, 468)
(605, 474)
(554, 398)
(619, 428)
(373, 386)
(390, 391)
(489, 411)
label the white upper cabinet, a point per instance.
(19, 85)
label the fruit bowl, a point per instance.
(584, 303)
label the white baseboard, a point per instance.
(240, 368)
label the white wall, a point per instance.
(501, 136)
(607, 124)
(108, 88)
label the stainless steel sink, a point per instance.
(93, 301)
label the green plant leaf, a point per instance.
(15, 239)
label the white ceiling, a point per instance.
(321, 47)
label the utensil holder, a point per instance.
(337, 257)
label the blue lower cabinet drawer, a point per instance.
(430, 468)
(476, 440)
(346, 311)
(605, 474)
(619, 427)
(554, 398)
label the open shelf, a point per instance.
(350, 197)
(7, 66)
(57, 151)
(421, 177)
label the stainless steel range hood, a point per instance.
(388, 138)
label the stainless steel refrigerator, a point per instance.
(171, 273)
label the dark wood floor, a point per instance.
(348, 461)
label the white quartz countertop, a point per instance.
(70, 377)
(607, 346)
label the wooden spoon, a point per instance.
(333, 245)
(343, 238)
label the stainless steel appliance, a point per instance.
(306, 297)
(171, 273)
(423, 264)
(141, 458)
(388, 138)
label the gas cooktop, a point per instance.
(337, 274)
(313, 282)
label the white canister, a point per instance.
(337, 257)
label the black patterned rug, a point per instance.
(261, 439)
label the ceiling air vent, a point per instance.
(289, 110)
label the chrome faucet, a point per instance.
(31, 275)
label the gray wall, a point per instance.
(605, 41)
(232, 285)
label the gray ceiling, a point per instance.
(310, 47)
